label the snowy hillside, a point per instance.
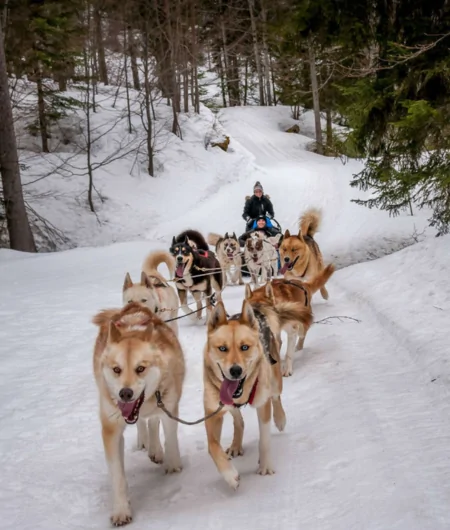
(368, 418)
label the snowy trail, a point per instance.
(366, 443)
(366, 446)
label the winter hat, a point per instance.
(258, 186)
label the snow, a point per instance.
(368, 430)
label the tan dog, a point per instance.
(153, 291)
(300, 254)
(280, 291)
(229, 255)
(135, 354)
(242, 365)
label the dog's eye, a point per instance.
(156, 310)
(222, 348)
(130, 302)
(140, 369)
(244, 347)
(117, 370)
(143, 300)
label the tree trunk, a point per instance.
(251, 6)
(148, 103)
(329, 130)
(100, 47)
(225, 67)
(266, 54)
(223, 88)
(246, 82)
(316, 101)
(20, 235)
(133, 60)
(41, 112)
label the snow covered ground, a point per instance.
(366, 446)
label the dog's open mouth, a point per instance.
(288, 266)
(230, 390)
(179, 271)
(230, 254)
(130, 409)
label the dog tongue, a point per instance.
(179, 271)
(284, 268)
(227, 389)
(126, 408)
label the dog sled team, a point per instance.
(138, 361)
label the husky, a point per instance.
(241, 365)
(261, 257)
(281, 291)
(300, 254)
(229, 255)
(197, 270)
(135, 355)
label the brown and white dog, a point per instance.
(300, 254)
(294, 290)
(135, 355)
(260, 256)
(229, 254)
(242, 366)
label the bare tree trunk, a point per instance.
(266, 54)
(20, 235)
(127, 88)
(225, 67)
(246, 81)
(4, 19)
(88, 132)
(251, 7)
(329, 129)
(316, 101)
(194, 70)
(133, 60)
(148, 103)
(41, 112)
(222, 79)
(99, 45)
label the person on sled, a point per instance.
(261, 226)
(258, 205)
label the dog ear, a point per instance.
(287, 234)
(248, 291)
(114, 334)
(300, 236)
(269, 291)
(234, 236)
(186, 240)
(218, 317)
(145, 280)
(127, 283)
(248, 316)
(226, 235)
(173, 241)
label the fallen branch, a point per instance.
(327, 319)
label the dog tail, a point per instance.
(154, 259)
(309, 222)
(213, 238)
(293, 313)
(321, 278)
(104, 317)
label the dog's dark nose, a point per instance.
(180, 258)
(236, 371)
(126, 394)
(286, 260)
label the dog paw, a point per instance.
(287, 370)
(233, 451)
(232, 477)
(157, 458)
(265, 470)
(280, 422)
(170, 469)
(121, 517)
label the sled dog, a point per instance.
(135, 355)
(300, 254)
(229, 255)
(242, 366)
